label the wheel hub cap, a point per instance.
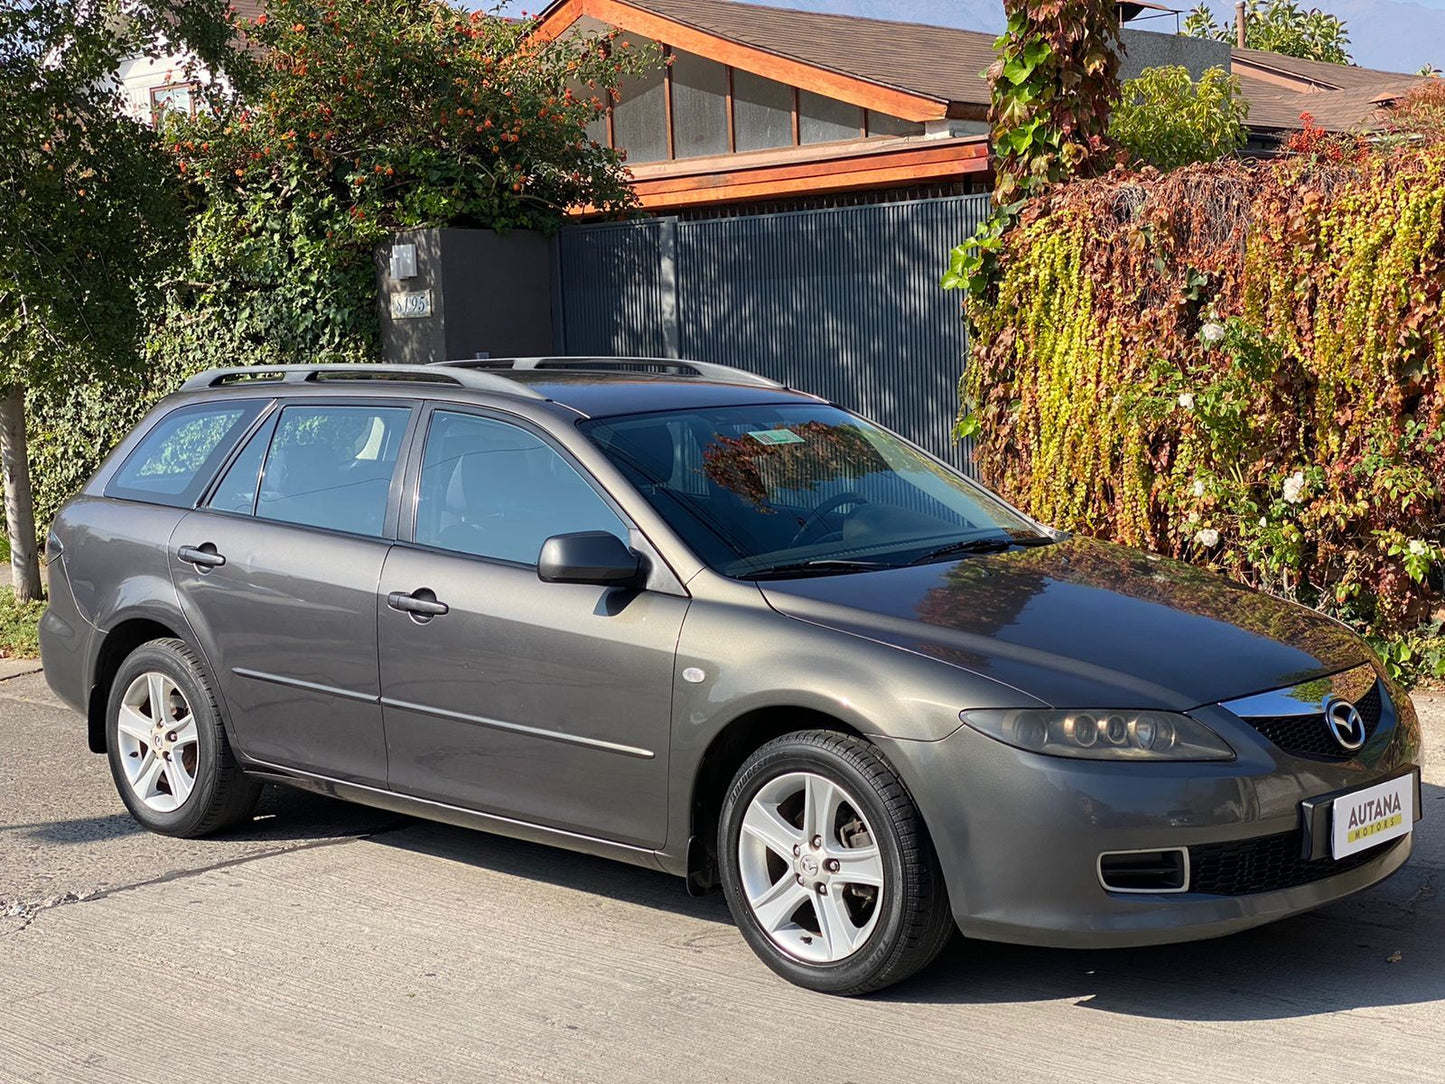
(155, 734)
(811, 872)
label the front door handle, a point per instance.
(204, 557)
(422, 604)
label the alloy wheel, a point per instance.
(810, 866)
(159, 745)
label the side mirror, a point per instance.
(591, 557)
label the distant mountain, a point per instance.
(1396, 35)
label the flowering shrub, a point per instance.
(352, 118)
(1242, 366)
(360, 118)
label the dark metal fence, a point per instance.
(841, 302)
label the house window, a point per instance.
(827, 120)
(762, 112)
(173, 98)
(881, 124)
(692, 106)
(639, 119)
(699, 106)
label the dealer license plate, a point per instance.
(1375, 815)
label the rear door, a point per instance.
(548, 703)
(277, 574)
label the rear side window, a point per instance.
(331, 466)
(174, 461)
(239, 485)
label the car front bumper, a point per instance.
(1019, 835)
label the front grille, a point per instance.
(1267, 863)
(1309, 736)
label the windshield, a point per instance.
(805, 489)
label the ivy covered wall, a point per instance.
(1239, 365)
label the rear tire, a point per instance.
(827, 866)
(167, 747)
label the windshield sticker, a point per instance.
(776, 436)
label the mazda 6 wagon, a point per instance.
(685, 617)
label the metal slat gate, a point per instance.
(842, 302)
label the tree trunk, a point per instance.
(19, 505)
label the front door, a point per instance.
(277, 575)
(548, 703)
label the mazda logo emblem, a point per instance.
(1345, 723)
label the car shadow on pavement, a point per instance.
(1374, 949)
(1378, 948)
(282, 815)
(566, 869)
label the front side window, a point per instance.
(331, 467)
(763, 490)
(491, 489)
(174, 461)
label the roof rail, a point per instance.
(704, 370)
(315, 374)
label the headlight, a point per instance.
(1102, 735)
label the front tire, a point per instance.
(827, 867)
(167, 748)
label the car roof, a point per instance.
(594, 387)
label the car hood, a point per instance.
(1083, 624)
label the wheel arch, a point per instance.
(116, 645)
(720, 761)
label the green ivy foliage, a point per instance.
(1055, 79)
(1242, 366)
(1166, 119)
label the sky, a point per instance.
(1396, 35)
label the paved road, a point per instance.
(328, 942)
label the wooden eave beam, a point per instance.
(769, 176)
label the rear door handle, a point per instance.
(203, 557)
(421, 603)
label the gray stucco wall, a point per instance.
(1150, 49)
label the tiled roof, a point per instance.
(1326, 76)
(1332, 110)
(945, 63)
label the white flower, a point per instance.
(1193, 517)
(1187, 400)
(1418, 548)
(1263, 521)
(1208, 538)
(1294, 488)
(1198, 487)
(1212, 332)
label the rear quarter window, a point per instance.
(182, 451)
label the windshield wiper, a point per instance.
(822, 566)
(981, 545)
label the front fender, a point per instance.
(737, 656)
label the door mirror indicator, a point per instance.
(590, 557)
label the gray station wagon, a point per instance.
(683, 616)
